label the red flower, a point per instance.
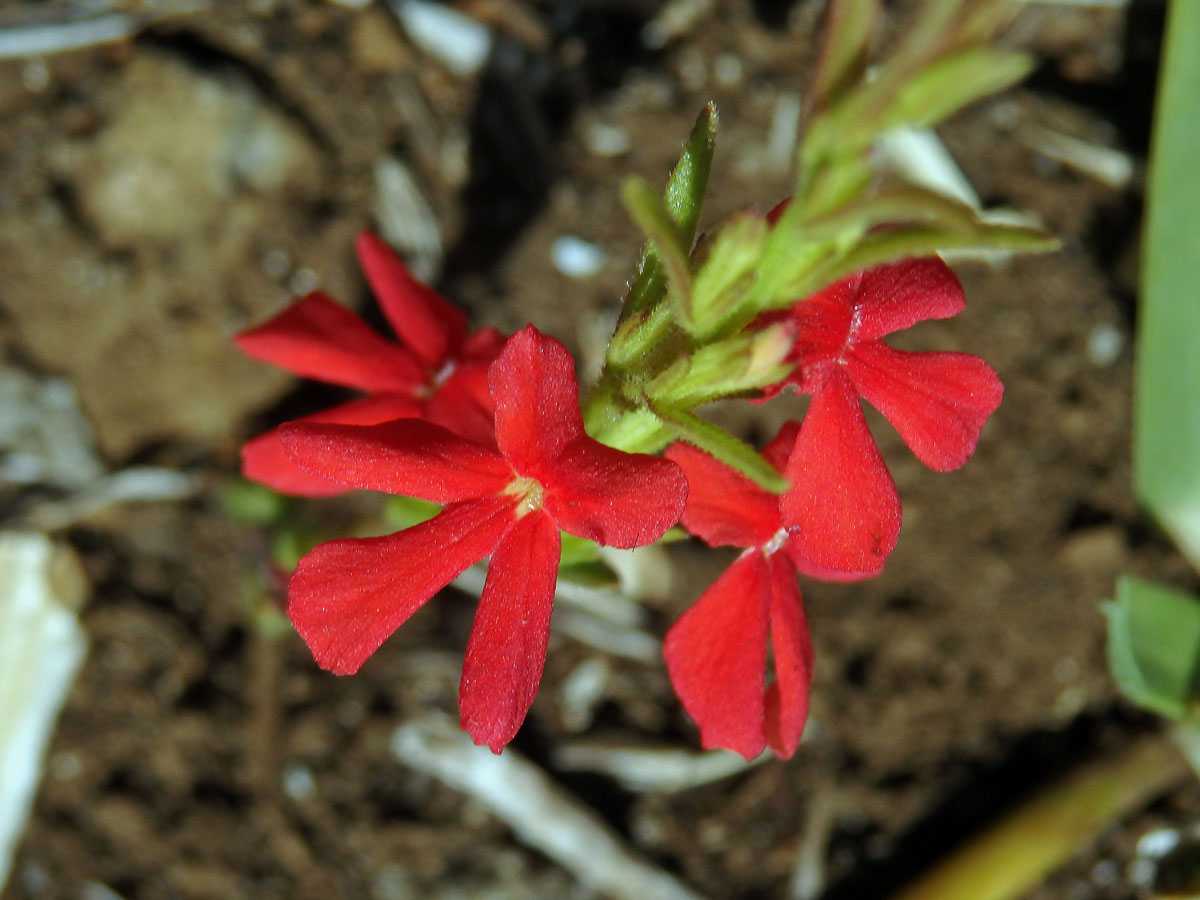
(717, 652)
(843, 504)
(346, 597)
(438, 371)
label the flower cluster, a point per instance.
(490, 428)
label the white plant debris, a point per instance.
(653, 769)
(406, 219)
(582, 691)
(1107, 165)
(602, 619)
(137, 484)
(919, 157)
(779, 153)
(458, 42)
(674, 20)
(41, 648)
(44, 438)
(33, 30)
(541, 814)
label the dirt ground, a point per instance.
(161, 193)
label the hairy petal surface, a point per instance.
(536, 398)
(842, 506)
(724, 507)
(319, 338)
(346, 597)
(428, 324)
(265, 460)
(896, 296)
(411, 457)
(614, 498)
(786, 705)
(716, 656)
(939, 402)
(507, 650)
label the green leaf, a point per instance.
(949, 84)
(845, 41)
(405, 512)
(666, 239)
(1166, 447)
(684, 197)
(577, 551)
(254, 504)
(1154, 645)
(911, 241)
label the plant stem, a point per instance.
(1017, 852)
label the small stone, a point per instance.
(1104, 344)
(575, 257)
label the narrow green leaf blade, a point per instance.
(1167, 400)
(684, 198)
(846, 39)
(666, 240)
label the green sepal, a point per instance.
(1154, 645)
(730, 258)
(733, 367)
(721, 444)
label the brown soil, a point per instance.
(142, 223)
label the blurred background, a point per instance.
(172, 172)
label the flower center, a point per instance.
(529, 493)
(778, 539)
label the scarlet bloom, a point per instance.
(842, 505)
(510, 501)
(716, 653)
(438, 370)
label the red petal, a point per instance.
(463, 404)
(724, 507)
(824, 325)
(430, 326)
(319, 338)
(537, 400)
(613, 498)
(897, 296)
(507, 649)
(787, 698)
(347, 597)
(779, 450)
(842, 502)
(409, 456)
(716, 655)
(938, 402)
(265, 460)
